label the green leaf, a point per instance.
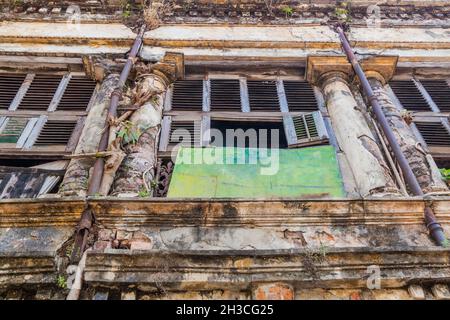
(445, 173)
(135, 136)
(288, 10)
(61, 282)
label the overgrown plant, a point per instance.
(61, 281)
(313, 257)
(129, 132)
(144, 193)
(288, 11)
(126, 9)
(446, 175)
(154, 12)
(342, 12)
(15, 3)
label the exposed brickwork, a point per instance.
(122, 239)
(273, 291)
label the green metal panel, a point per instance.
(272, 173)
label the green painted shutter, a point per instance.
(305, 130)
(12, 129)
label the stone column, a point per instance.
(76, 178)
(137, 170)
(372, 174)
(421, 162)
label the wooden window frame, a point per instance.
(436, 151)
(66, 148)
(206, 115)
(433, 116)
(25, 144)
(166, 126)
(24, 135)
(291, 133)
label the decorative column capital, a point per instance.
(333, 76)
(170, 68)
(321, 68)
(98, 67)
(381, 68)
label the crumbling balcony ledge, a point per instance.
(240, 270)
(237, 241)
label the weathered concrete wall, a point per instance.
(411, 44)
(28, 255)
(47, 31)
(194, 248)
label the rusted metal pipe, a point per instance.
(434, 227)
(87, 218)
(99, 165)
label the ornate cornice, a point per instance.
(40, 212)
(19, 269)
(320, 68)
(116, 213)
(380, 67)
(170, 68)
(240, 269)
(341, 239)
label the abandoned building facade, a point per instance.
(224, 149)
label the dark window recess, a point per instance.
(187, 95)
(185, 132)
(225, 95)
(9, 85)
(442, 162)
(77, 95)
(164, 171)
(13, 129)
(300, 96)
(223, 125)
(41, 92)
(55, 188)
(434, 133)
(25, 182)
(263, 96)
(55, 132)
(409, 96)
(22, 162)
(439, 92)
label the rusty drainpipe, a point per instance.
(87, 217)
(434, 227)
